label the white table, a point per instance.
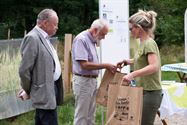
(174, 99)
(179, 68)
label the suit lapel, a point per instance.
(44, 42)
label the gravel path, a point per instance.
(173, 120)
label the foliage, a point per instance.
(75, 16)
(170, 20)
(20, 15)
(9, 78)
(172, 54)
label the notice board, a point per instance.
(185, 35)
(115, 46)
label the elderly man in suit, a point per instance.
(40, 70)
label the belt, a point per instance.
(88, 76)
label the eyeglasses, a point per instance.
(134, 26)
(130, 28)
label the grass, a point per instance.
(65, 115)
(9, 78)
(172, 54)
(169, 54)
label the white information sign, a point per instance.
(185, 34)
(115, 46)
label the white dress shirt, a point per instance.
(57, 71)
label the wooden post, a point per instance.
(67, 63)
(25, 32)
(8, 33)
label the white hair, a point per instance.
(45, 14)
(99, 24)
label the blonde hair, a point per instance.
(145, 20)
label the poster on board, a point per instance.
(115, 46)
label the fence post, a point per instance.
(25, 32)
(8, 33)
(67, 63)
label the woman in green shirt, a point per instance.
(147, 73)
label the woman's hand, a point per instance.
(127, 79)
(123, 63)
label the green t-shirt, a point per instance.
(152, 81)
(134, 44)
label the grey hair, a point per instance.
(144, 19)
(99, 24)
(45, 14)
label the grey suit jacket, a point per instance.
(36, 71)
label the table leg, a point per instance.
(163, 121)
(181, 77)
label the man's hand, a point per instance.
(111, 67)
(23, 95)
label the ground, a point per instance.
(173, 120)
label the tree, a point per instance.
(170, 20)
(20, 15)
(77, 15)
